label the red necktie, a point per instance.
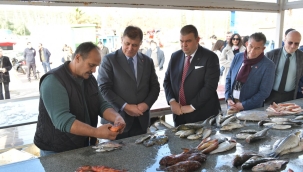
(181, 91)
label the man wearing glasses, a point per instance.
(289, 69)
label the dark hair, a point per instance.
(229, 32)
(100, 42)
(245, 39)
(288, 30)
(230, 43)
(133, 32)
(189, 29)
(84, 48)
(258, 36)
(218, 45)
(213, 37)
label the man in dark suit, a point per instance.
(191, 80)
(127, 79)
(288, 54)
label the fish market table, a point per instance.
(138, 158)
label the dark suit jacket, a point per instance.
(200, 84)
(118, 85)
(6, 63)
(275, 56)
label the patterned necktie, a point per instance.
(131, 65)
(284, 74)
(181, 91)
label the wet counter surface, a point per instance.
(138, 158)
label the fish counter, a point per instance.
(135, 157)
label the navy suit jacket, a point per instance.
(200, 85)
(118, 84)
(258, 84)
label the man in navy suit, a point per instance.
(191, 80)
(127, 79)
(251, 76)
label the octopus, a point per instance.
(88, 168)
(117, 127)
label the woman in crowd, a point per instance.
(217, 48)
(234, 46)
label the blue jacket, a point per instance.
(258, 84)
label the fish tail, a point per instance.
(273, 154)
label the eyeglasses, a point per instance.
(296, 43)
(235, 39)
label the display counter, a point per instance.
(138, 158)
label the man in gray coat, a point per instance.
(289, 69)
(127, 79)
(29, 56)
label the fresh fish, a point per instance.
(242, 135)
(228, 120)
(231, 126)
(249, 131)
(277, 142)
(199, 131)
(240, 159)
(226, 117)
(205, 144)
(224, 146)
(143, 138)
(252, 115)
(189, 126)
(178, 133)
(106, 149)
(257, 136)
(202, 142)
(269, 124)
(194, 136)
(206, 133)
(278, 119)
(298, 148)
(292, 123)
(206, 122)
(110, 144)
(165, 124)
(218, 119)
(187, 156)
(156, 139)
(183, 166)
(281, 127)
(187, 133)
(289, 142)
(262, 122)
(299, 117)
(211, 147)
(270, 166)
(254, 161)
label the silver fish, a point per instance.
(143, 138)
(257, 136)
(189, 126)
(206, 133)
(252, 115)
(194, 136)
(106, 149)
(187, 133)
(218, 119)
(199, 131)
(178, 133)
(270, 165)
(224, 146)
(249, 131)
(298, 148)
(110, 144)
(231, 126)
(299, 117)
(279, 119)
(281, 127)
(227, 121)
(277, 142)
(289, 142)
(242, 135)
(156, 140)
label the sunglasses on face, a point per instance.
(296, 43)
(235, 39)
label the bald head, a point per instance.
(292, 41)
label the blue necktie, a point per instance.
(131, 65)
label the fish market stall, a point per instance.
(137, 157)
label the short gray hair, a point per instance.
(84, 48)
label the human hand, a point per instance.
(230, 102)
(104, 132)
(239, 106)
(176, 108)
(186, 109)
(132, 110)
(120, 121)
(142, 107)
